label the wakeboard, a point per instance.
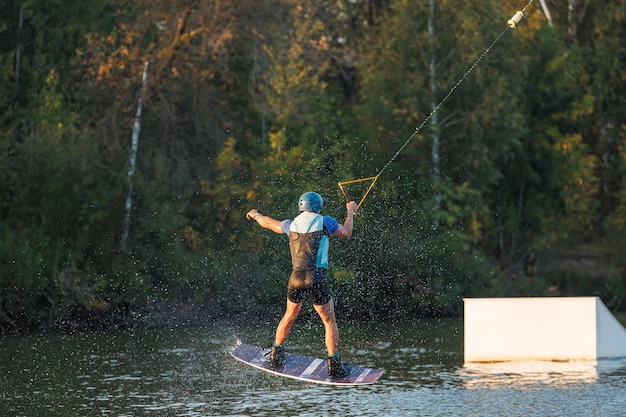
(303, 368)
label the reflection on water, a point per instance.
(529, 374)
(189, 373)
(539, 374)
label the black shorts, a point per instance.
(302, 282)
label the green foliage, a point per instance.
(613, 292)
(251, 103)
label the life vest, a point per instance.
(308, 241)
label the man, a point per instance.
(308, 241)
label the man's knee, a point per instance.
(292, 311)
(290, 316)
(326, 313)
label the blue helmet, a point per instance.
(311, 201)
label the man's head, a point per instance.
(310, 201)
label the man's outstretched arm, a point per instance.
(265, 221)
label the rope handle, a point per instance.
(343, 191)
(345, 194)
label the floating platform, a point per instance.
(540, 329)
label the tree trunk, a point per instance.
(434, 121)
(133, 154)
(18, 53)
(546, 11)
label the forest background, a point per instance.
(516, 186)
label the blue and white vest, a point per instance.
(308, 241)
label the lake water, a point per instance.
(188, 372)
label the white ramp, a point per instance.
(540, 328)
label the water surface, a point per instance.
(188, 372)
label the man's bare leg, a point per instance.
(284, 326)
(327, 314)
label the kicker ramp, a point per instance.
(540, 328)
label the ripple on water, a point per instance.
(188, 373)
